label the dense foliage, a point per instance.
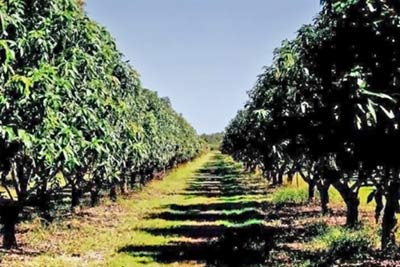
(328, 108)
(213, 140)
(73, 115)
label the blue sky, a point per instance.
(203, 54)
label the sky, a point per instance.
(202, 54)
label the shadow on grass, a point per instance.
(223, 225)
(20, 252)
(234, 246)
(241, 240)
(218, 206)
(234, 216)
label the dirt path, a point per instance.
(204, 214)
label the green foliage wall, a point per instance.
(328, 106)
(71, 105)
(213, 140)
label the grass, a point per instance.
(335, 237)
(103, 236)
(83, 242)
(204, 206)
(335, 244)
(330, 242)
(287, 195)
(334, 196)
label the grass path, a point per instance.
(207, 213)
(201, 214)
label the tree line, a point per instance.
(328, 109)
(213, 140)
(74, 117)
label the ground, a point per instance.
(205, 213)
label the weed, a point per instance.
(290, 195)
(338, 244)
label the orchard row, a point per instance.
(328, 108)
(74, 116)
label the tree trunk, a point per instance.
(352, 211)
(311, 190)
(389, 220)
(44, 207)
(280, 178)
(290, 177)
(9, 239)
(113, 193)
(351, 200)
(143, 180)
(379, 204)
(94, 196)
(281, 172)
(311, 185)
(132, 183)
(123, 187)
(75, 197)
(274, 178)
(45, 203)
(9, 218)
(324, 197)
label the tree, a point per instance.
(73, 115)
(328, 106)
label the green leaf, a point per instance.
(378, 95)
(388, 113)
(25, 138)
(371, 110)
(261, 113)
(362, 84)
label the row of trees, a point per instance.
(213, 140)
(73, 114)
(328, 109)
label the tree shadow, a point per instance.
(218, 206)
(235, 246)
(229, 229)
(21, 252)
(215, 233)
(239, 216)
(221, 182)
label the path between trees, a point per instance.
(206, 213)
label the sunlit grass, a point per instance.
(335, 242)
(285, 195)
(79, 239)
(334, 196)
(328, 236)
(97, 241)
